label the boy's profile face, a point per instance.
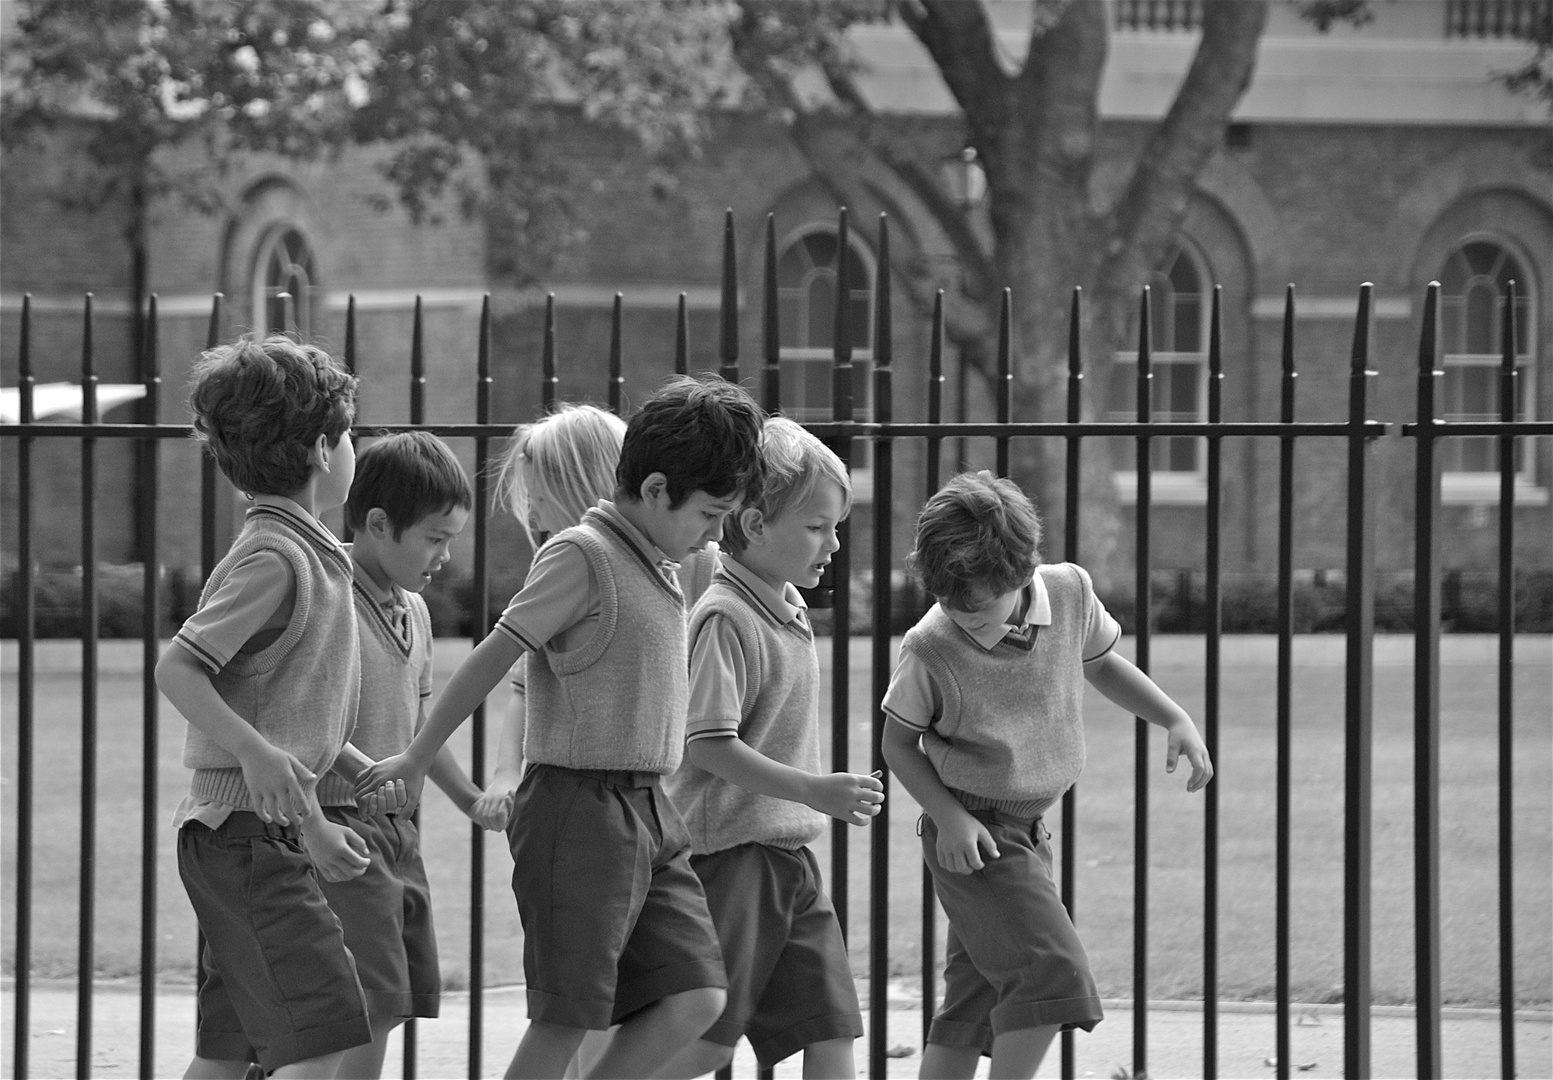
(797, 544)
(685, 528)
(988, 610)
(410, 560)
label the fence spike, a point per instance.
(616, 380)
(682, 337)
(771, 351)
(1508, 411)
(728, 342)
(548, 383)
(350, 334)
(417, 365)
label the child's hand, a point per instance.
(339, 852)
(847, 797)
(392, 798)
(1183, 739)
(961, 842)
(390, 771)
(277, 784)
(491, 809)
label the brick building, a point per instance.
(1384, 154)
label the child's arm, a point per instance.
(1120, 680)
(468, 687)
(449, 775)
(338, 851)
(847, 797)
(388, 799)
(496, 801)
(278, 784)
(961, 837)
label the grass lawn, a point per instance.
(1105, 851)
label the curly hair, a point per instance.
(261, 405)
(794, 462)
(701, 434)
(977, 537)
(571, 455)
(408, 476)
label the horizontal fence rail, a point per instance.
(881, 433)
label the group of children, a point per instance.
(659, 775)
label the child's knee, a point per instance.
(698, 1008)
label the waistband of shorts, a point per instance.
(629, 778)
(241, 823)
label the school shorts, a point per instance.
(789, 978)
(280, 983)
(386, 913)
(613, 917)
(1014, 960)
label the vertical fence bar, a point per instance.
(1284, 697)
(1358, 707)
(86, 942)
(482, 623)
(879, 833)
(1507, 413)
(207, 564)
(1070, 533)
(548, 382)
(682, 337)
(841, 570)
(935, 415)
(350, 335)
(150, 698)
(417, 366)
(1005, 405)
(771, 331)
(615, 393)
(22, 1017)
(1143, 602)
(1213, 601)
(1426, 694)
(728, 339)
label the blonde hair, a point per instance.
(572, 453)
(795, 462)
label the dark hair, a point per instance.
(977, 534)
(260, 405)
(409, 476)
(701, 434)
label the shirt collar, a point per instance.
(393, 602)
(301, 520)
(784, 607)
(1038, 612)
(653, 553)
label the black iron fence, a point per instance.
(1357, 432)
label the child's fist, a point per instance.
(848, 797)
(339, 852)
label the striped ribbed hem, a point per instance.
(224, 786)
(1029, 809)
(335, 790)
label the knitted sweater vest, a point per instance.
(1012, 730)
(300, 691)
(390, 686)
(618, 701)
(779, 718)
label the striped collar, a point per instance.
(299, 519)
(782, 608)
(651, 556)
(1038, 612)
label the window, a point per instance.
(1178, 328)
(1472, 297)
(806, 304)
(284, 264)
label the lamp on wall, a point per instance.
(964, 177)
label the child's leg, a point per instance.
(940, 1062)
(545, 1050)
(365, 1062)
(697, 1059)
(593, 1044)
(1017, 1054)
(324, 1067)
(203, 1068)
(648, 1040)
(829, 1060)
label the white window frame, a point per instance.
(1171, 487)
(264, 290)
(1459, 487)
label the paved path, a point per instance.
(1470, 1039)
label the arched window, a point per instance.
(283, 264)
(806, 298)
(1178, 337)
(1473, 283)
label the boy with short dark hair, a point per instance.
(267, 674)
(409, 500)
(985, 729)
(615, 923)
(751, 790)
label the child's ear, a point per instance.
(377, 521)
(752, 521)
(318, 455)
(654, 487)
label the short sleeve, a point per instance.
(718, 678)
(559, 594)
(422, 619)
(912, 697)
(1103, 631)
(241, 608)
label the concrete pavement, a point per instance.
(1246, 1038)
